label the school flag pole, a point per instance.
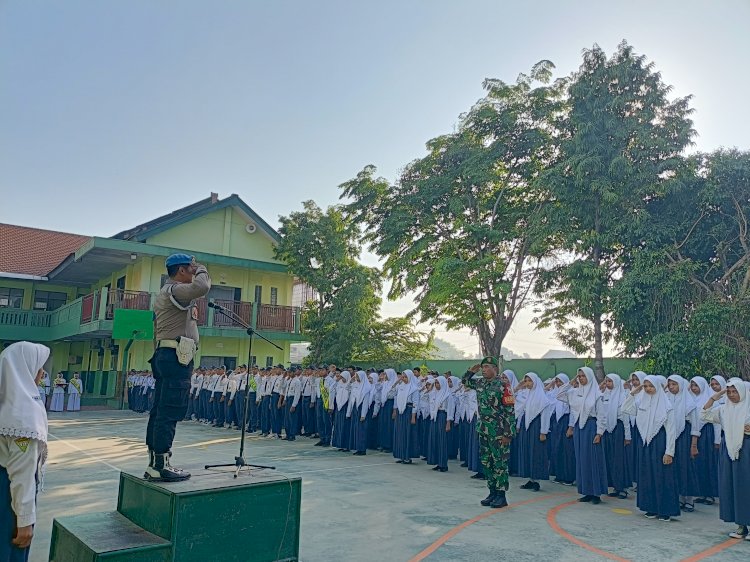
(239, 461)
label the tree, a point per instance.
(343, 323)
(621, 149)
(320, 248)
(461, 226)
(684, 299)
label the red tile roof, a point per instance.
(33, 251)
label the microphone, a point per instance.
(214, 305)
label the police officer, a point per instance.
(175, 317)
(496, 426)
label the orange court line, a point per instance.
(552, 521)
(713, 550)
(457, 529)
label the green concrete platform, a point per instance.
(196, 520)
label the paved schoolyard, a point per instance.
(370, 508)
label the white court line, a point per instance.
(343, 468)
(97, 459)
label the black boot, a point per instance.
(499, 500)
(489, 499)
(148, 474)
(162, 471)
(478, 476)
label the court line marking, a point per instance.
(458, 528)
(713, 550)
(97, 459)
(551, 520)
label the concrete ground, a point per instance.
(370, 508)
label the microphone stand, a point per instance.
(239, 461)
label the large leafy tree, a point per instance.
(342, 322)
(621, 149)
(460, 228)
(684, 298)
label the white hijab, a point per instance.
(388, 384)
(723, 383)
(362, 389)
(734, 417)
(437, 397)
(22, 411)
(583, 399)
(613, 400)
(652, 411)
(536, 401)
(705, 393)
(342, 390)
(561, 407)
(682, 403)
(403, 391)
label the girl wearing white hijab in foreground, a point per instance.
(533, 448)
(657, 482)
(23, 445)
(341, 425)
(561, 446)
(587, 425)
(617, 437)
(686, 422)
(359, 412)
(734, 462)
(405, 437)
(703, 451)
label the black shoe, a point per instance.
(585, 499)
(319, 444)
(435, 468)
(536, 487)
(407, 461)
(596, 500)
(528, 486)
(478, 476)
(500, 501)
(399, 461)
(464, 464)
(443, 469)
(613, 494)
(489, 499)
(162, 471)
(360, 453)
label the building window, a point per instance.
(269, 361)
(274, 296)
(11, 298)
(49, 300)
(253, 360)
(258, 293)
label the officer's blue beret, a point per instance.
(178, 259)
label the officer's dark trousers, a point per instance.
(170, 398)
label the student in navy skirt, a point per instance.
(636, 380)
(586, 426)
(405, 434)
(440, 412)
(519, 395)
(341, 427)
(533, 448)
(454, 387)
(734, 459)
(423, 416)
(373, 431)
(616, 437)
(658, 495)
(704, 449)
(561, 446)
(385, 419)
(358, 411)
(685, 418)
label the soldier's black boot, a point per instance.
(150, 472)
(499, 500)
(489, 499)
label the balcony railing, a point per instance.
(24, 318)
(130, 300)
(242, 309)
(90, 308)
(276, 317)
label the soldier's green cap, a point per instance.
(489, 361)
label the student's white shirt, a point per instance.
(294, 391)
(20, 457)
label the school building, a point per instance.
(63, 290)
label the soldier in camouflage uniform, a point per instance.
(496, 427)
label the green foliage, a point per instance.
(321, 249)
(684, 298)
(461, 226)
(621, 150)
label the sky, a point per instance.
(113, 113)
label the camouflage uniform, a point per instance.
(496, 420)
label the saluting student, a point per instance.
(404, 414)
(657, 483)
(341, 426)
(533, 449)
(685, 419)
(734, 460)
(358, 411)
(705, 447)
(386, 419)
(617, 436)
(587, 423)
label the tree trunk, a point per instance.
(490, 343)
(598, 353)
